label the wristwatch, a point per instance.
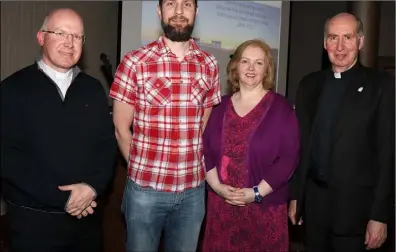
(257, 196)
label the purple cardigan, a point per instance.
(273, 148)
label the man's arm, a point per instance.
(103, 160)
(123, 91)
(295, 182)
(385, 150)
(205, 118)
(376, 231)
(106, 149)
(123, 114)
(296, 187)
(17, 167)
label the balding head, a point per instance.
(58, 14)
(61, 38)
(344, 18)
(343, 39)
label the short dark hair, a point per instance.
(195, 1)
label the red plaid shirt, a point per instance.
(169, 97)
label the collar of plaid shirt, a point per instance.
(193, 51)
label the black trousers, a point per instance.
(32, 230)
(318, 232)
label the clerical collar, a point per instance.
(53, 73)
(348, 73)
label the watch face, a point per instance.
(258, 198)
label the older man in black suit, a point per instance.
(343, 188)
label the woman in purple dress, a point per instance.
(251, 147)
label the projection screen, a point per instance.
(220, 27)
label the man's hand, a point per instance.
(80, 198)
(228, 193)
(88, 210)
(292, 212)
(376, 233)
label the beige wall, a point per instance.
(21, 20)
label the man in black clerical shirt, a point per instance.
(343, 187)
(58, 145)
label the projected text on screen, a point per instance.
(221, 26)
(227, 22)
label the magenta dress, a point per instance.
(249, 228)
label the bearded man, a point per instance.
(165, 91)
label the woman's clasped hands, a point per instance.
(235, 196)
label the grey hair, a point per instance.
(359, 27)
(44, 25)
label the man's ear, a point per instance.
(40, 38)
(361, 42)
(159, 12)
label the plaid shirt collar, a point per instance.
(193, 51)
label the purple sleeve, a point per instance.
(212, 135)
(209, 155)
(283, 168)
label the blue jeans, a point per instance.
(148, 212)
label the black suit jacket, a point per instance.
(362, 164)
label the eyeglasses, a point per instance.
(64, 35)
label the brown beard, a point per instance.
(177, 34)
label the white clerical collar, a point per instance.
(337, 75)
(53, 73)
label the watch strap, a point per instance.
(257, 196)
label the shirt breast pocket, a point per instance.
(157, 90)
(198, 90)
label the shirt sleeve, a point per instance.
(123, 88)
(213, 96)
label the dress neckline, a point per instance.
(253, 109)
